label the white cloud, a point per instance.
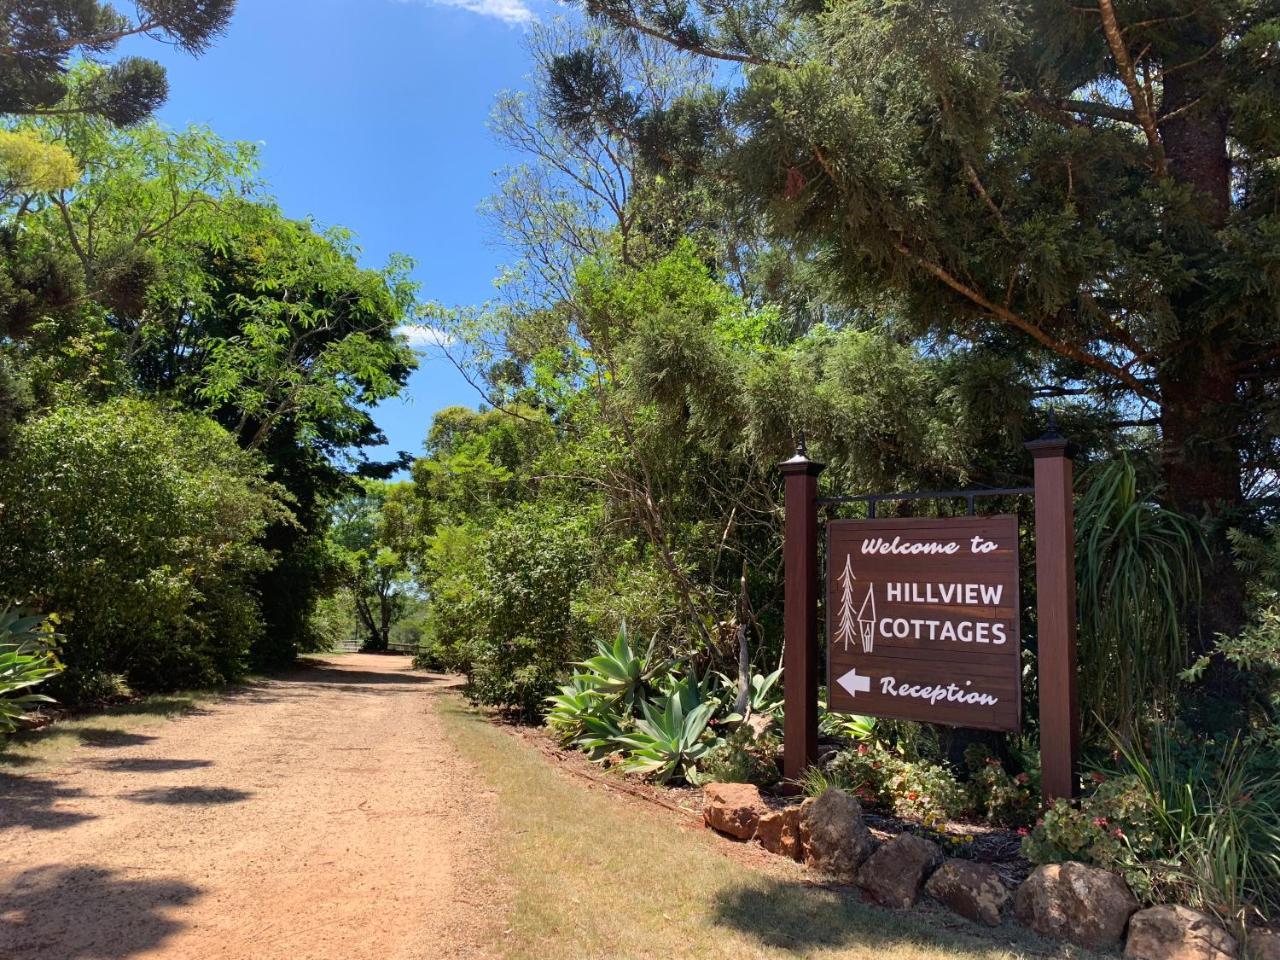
(512, 12)
(421, 336)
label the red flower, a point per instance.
(1099, 821)
(1097, 777)
(862, 749)
(1023, 832)
(1118, 833)
(912, 795)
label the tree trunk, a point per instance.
(1200, 418)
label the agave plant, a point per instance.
(618, 672)
(672, 735)
(25, 660)
(764, 699)
(578, 700)
(852, 725)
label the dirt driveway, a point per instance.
(320, 814)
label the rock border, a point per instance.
(1071, 902)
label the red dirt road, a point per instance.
(320, 814)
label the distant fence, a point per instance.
(353, 646)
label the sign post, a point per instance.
(1056, 615)
(800, 614)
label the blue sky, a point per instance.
(372, 115)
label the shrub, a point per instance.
(998, 795)
(1192, 824)
(914, 789)
(520, 632)
(140, 526)
(1137, 564)
(741, 758)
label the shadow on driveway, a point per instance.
(28, 801)
(76, 913)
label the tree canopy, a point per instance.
(39, 39)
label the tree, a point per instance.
(1091, 187)
(39, 39)
(372, 533)
(165, 270)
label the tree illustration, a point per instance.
(846, 622)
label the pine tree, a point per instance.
(39, 38)
(1091, 188)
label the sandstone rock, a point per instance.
(973, 890)
(893, 874)
(760, 724)
(733, 808)
(1264, 945)
(1178, 933)
(779, 832)
(835, 839)
(1075, 902)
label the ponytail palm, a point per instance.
(1137, 567)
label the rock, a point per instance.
(1072, 901)
(973, 890)
(1264, 945)
(779, 832)
(893, 874)
(760, 724)
(835, 839)
(733, 808)
(1178, 933)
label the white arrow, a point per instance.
(854, 683)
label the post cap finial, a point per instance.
(801, 463)
(1051, 428)
(1051, 441)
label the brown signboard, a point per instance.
(922, 620)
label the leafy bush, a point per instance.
(515, 624)
(26, 659)
(915, 789)
(996, 794)
(141, 527)
(1191, 824)
(742, 758)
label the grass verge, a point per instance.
(592, 876)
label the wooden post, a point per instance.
(1056, 615)
(800, 614)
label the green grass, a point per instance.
(592, 875)
(113, 726)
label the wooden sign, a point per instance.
(922, 620)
